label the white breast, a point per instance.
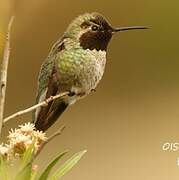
(88, 67)
(91, 70)
(94, 70)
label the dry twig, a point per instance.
(43, 103)
(57, 133)
(4, 69)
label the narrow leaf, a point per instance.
(67, 165)
(27, 156)
(47, 170)
(33, 174)
(3, 173)
(25, 173)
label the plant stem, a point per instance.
(4, 70)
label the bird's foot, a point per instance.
(93, 90)
(76, 92)
(71, 93)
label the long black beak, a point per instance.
(128, 28)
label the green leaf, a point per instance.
(25, 173)
(33, 175)
(3, 173)
(47, 170)
(67, 165)
(27, 156)
(26, 165)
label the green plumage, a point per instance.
(69, 68)
(75, 64)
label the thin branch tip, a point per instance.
(32, 108)
(4, 71)
(57, 133)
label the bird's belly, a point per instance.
(82, 70)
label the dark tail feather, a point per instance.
(51, 117)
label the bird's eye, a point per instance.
(94, 28)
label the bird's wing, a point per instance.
(44, 117)
(47, 69)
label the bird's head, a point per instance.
(93, 31)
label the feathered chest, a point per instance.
(81, 68)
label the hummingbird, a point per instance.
(75, 64)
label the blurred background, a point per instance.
(135, 109)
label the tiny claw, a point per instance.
(71, 93)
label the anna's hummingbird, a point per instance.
(75, 64)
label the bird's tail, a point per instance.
(47, 116)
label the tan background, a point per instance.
(135, 109)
